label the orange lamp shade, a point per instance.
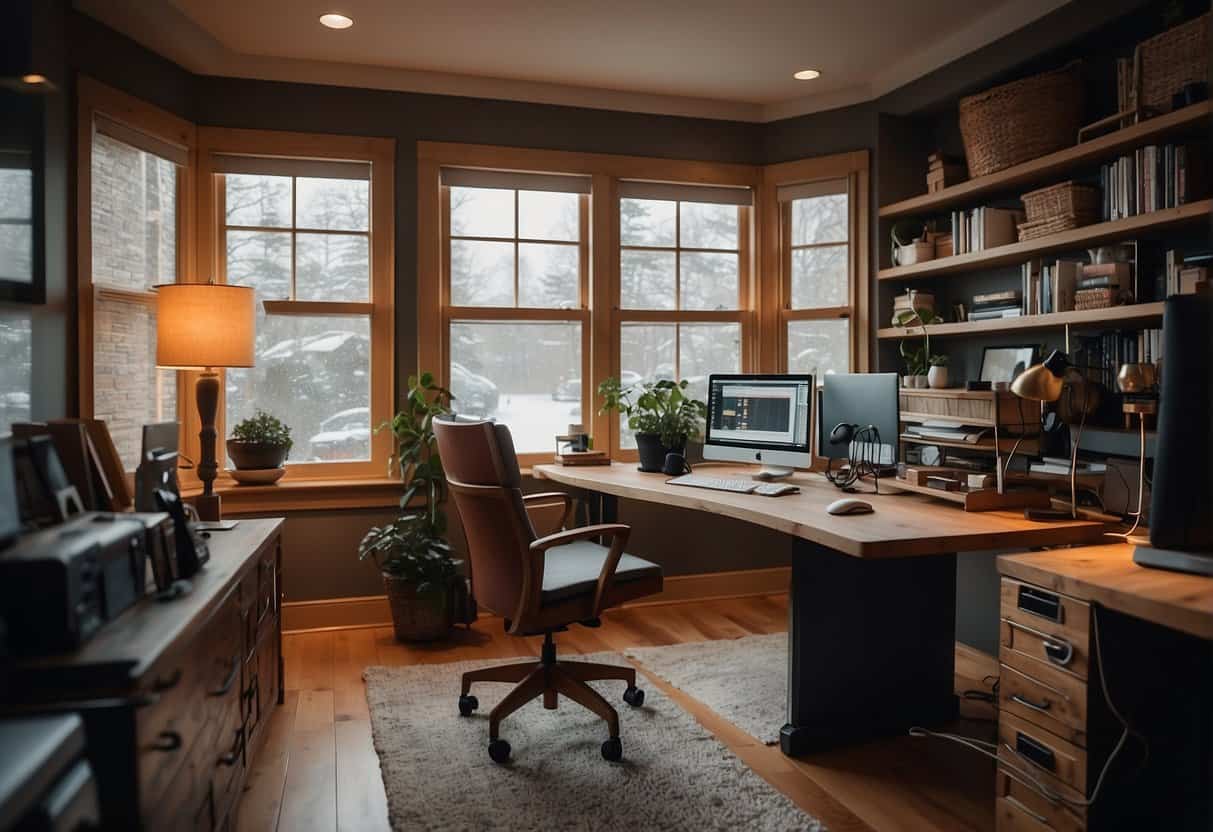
(202, 325)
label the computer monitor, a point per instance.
(760, 418)
(861, 399)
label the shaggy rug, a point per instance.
(744, 680)
(675, 775)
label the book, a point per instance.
(1013, 312)
(1104, 282)
(992, 297)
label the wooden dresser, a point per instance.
(1072, 620)
(176, 695)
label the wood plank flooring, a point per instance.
(319, 771)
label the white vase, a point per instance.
(938, 377)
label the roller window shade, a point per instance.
(807, 190)
(507, 180)
(278, 166)
(719, 195)
(146, 142)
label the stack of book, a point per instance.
(1102, 285)
(1152, 178)
(991, 305)
(1059, 466)
(1187, 275)
(983, 228)
(943, 171)
(910, 302)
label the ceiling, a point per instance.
(712, 58)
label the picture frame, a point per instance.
(1005, 363)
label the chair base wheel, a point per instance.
(499, 751)
(634, 696)
(467, 704)
(612, 750)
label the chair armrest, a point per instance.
(535, 505)
(619, 538)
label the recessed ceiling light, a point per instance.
(33, 79)
(336, 21)
(807, 74)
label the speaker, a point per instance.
(1181, 523)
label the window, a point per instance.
(816, 270)
(515, 261)
(15, 375)
(682, 281)
(133, 238)
(311, 236)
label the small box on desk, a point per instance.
(583, 458)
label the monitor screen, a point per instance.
(862, 399)
(760, 412)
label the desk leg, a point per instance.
(871, 647)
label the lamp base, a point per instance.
(1198, 563)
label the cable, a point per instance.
(1141, 485)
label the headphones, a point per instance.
(848, 435)
(842, 434)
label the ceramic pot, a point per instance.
(921, 382)
(937, 377)
(653, 452)
(255, 456)
(417, 616)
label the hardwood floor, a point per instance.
(319, 771)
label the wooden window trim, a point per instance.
(94, 99)
(774, 307)
(381, 154)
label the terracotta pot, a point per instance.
(938, 377)
(653, 452)
(417, 616)
(255, 456)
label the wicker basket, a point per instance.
(1061, 199)
(1052, 225)
(1168, 61)
(1021, 120)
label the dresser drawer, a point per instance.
(1044, 696)
(1020, 806)
(267, 590)
(1056, 622)
(1059, 763)
(168, 729)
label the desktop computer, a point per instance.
(860, 400)
(760, 418)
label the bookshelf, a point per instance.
(1043, 170)
(1129, 316)
(1074, 238)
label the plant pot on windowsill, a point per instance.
(257, 463)
(653, 451)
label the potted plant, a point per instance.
(937, 377)
(260, 443)
(917, 359)
(662, 415)
(412, 553)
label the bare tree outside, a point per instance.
(820, 249)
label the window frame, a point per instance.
(97, 99)
(606, 171)
(380, 308)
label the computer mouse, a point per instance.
(849, 505)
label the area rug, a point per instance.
(745, 680)
(674, 775)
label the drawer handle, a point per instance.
(1041, 706)
(1018, 804)
(168, 683)
(1035, 752)
(230, 680)
(1059, 652)
(1039, 603)
(167, 741)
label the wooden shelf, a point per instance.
(1040, 171)
(1128, 317)
(1029, 445)
(984, 499)
(1085, 237)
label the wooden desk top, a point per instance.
(1108, 576)
(903, 524)
(126, 647)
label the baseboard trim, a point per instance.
(373, 610)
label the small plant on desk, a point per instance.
(937, 376)
(917, 359)
(663, 416)
(412, 553)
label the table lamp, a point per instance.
(1045, 382)
(203, 326)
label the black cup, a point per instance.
(675, 465)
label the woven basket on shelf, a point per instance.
(1052, 225)
(1061, 199)
(1168, 61)
(1021, 120)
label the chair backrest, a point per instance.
(482, 473)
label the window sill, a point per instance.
(304, 495)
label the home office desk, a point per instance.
(872, 608)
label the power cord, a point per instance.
(990, 749)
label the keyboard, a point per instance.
(766, 489)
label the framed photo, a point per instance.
(1005, 363)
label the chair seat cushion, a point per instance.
(572, 570)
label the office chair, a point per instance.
(537, 584)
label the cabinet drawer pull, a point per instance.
(230, 680)
(1040, 603)
(167, 741)
(1018, 804)
(160, 685)
(1059, 652)
(1041, 706)
(1035, 752)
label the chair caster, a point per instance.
(612, 750)
(499, 750)
(467, 704)
(634, 696)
